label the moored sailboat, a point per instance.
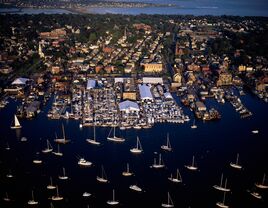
(127, 172)
(48, 148)
(62, 140)
(114, 137)
(16, 123)
(32, 201)
(63, 176)
(221, 187)
(113, 201)
(236, 164)
(93, 141)
(58, 153)
(262, 185)
(192, 166)
(50, 186)
(138, 149)
(222, 204)
(103, 177)
(160, 163)
(57, 197)
(135, 188)
(167, 147)
(178, 178)
(169, 202)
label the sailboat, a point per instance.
(63, 140)
(7, 146)
(178, 178)
(115, 138)
(16, 123)
(48, 148)
(63, 177)
(255, 194)
(127, 172)
(103, 177)
(6, 198)
(169, 202)
(9, 175)
(93, 141)
(86, 194)
(262, 185)
(192, 166)
(32, 201)
(58, 153)
(193, 126)
(113, 201)
(255, 131)
(135, 188)
(83, 162)
(51, 186)
(160, 163)
(57, 197)
(138, 148)
(236, 164)
(167, 147)
(222, 204)
(220, 187)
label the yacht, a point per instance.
(236, 164)
(221, 187)
(51, 186)
(113, 201)
(86, 194)
(16, 123)
(63, 177)
(255, 194)
(93, 141)
(83, 162)
(167, 147)
(32, 201)
(255, 131)
(63, 140)
(222, 204)
(192, 166)
(58, 153)
(103, 177)
(6, 198)
(138, 148)
(135, 188)
(114, 137)
(48, 148)
(262, 185)
(127, 172)
(193, 126)
(169, 202)
(178, 178)
(160, 163)
(57, 197)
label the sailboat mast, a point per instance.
(263, 179)
(94, 132)
(63, 131)
(237, 158)
(193, 161)
(221, 180)
(127, 167)
(113, 195)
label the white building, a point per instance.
(129, 106)
(152, 80)
(145, 92)
(91, 83)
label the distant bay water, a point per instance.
(179, 7)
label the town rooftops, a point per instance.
(20, 81)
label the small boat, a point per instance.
(51, 186)
(58, 153)
(167, 147)
(103, 177)
(127, 172)
(222, 204)
(236, 164)
(7, 146)
(83, 162)
(160, 163)
(32, 201)
(138, 148)
(115, 138)
(16, 123)
(63, 140)
(37, 161)
(113, 201)
(262, 185)
(255, 131)
(48, 148)
(63, 177)
(178, 178)
(23, 139)
(193, 126)
(57, 197)
(86, 194)
(255, 194)
(9, 175)
(135, 188)
(169, 202)
(93, 141)
(6, 198)
(221, 187)
(192, 166)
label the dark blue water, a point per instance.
(181, 7)
(214, 144)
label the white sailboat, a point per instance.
(50, 186)
(63, 140)
(58, 153)
(138, 149)
(135, 188)
(32, 201)
(236, 164)
(16, 123)
(222, 204)
(160, 163)
(9, 175)
(193, 126)
(103, 177)
(83, 162)
(115, 138)
(7, 146)
(113, 201)
(48, 148)
(86, 194)
(64, 176)
(127, 172)
(255, 194)
(167, 147)
(192, 166)
(178, 178)
(262, 185)
(93, 141)
(221, 187)
(6, 198)
(169, 202)
(57, 197)
(255, 131)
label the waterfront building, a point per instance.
(145, 93)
